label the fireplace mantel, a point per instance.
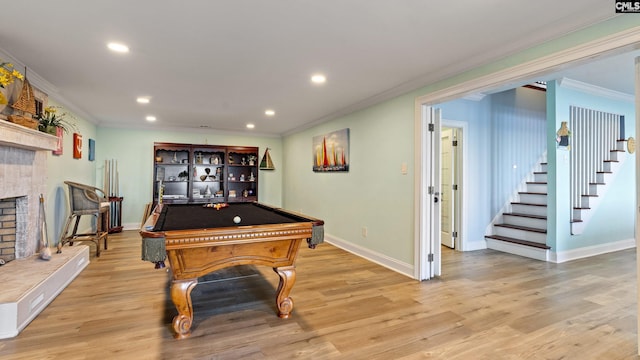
(17, 136)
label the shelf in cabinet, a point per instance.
(242, 199)
(208, 199)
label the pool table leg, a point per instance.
(181, 296)
(284, 303)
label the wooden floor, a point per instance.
(488, 305)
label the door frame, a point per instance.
(427, 231)
(510, 77)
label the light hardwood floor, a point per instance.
(488, 305)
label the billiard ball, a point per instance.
(237, 219)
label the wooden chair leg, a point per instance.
(63, 235)
(106, 222)
(75, 229)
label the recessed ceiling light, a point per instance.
(250, 126)
(118, 47)
(143, 99)
(151, 118)
(318, 79)
(269, 112)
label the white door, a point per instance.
(447, 198)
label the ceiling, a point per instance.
(220, 64)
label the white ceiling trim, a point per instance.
(595, 90)
(35, 79)
(43, 85)
(625, 40)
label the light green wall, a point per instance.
(133, 150)
(64, 167)
(373, 194)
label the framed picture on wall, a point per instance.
(59, 144)
(77, 146)
(92, 149)
(331, 151)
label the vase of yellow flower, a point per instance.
(50, 120)
(7, 76)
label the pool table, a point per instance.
(198, 239)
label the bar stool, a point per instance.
(86, 200)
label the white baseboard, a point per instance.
(380, 259)
(474, 245)
(131, 226)
(563, 256)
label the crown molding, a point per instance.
(45, 86)
(595, 90)
(619, 42)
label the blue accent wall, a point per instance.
(614, 220)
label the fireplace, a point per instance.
(29, 284)
(23, 169)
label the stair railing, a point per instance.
(593, 135)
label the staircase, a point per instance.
(523, 230)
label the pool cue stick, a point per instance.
(45, 251)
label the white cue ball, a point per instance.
(237, 219)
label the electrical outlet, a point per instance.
(364, 231)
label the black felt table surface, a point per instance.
(195, 216)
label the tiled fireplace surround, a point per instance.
(28, 283)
